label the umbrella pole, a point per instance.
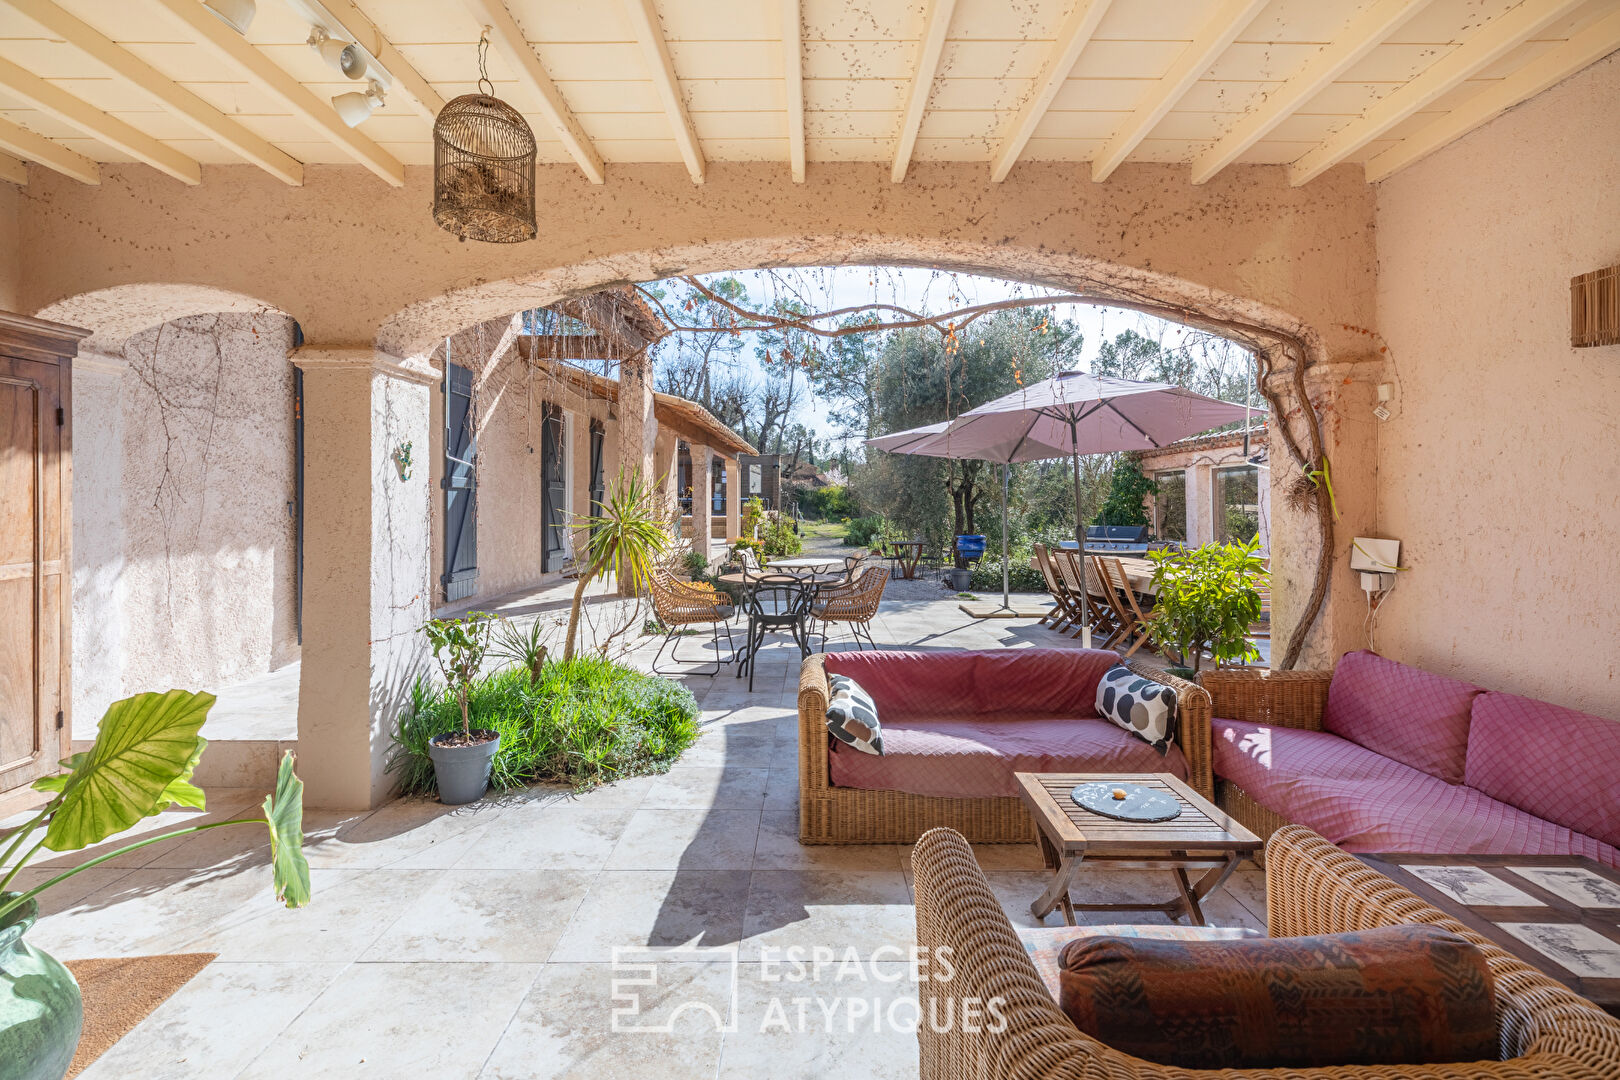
(1080, 538)
(1006, 470)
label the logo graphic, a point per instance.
(653, 987)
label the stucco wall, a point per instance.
(10, 260)
(1499, 470)
(184, 546)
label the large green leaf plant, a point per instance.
(1205, 600)
(145, 752)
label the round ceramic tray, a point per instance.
(1139, 804)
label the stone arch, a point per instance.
(1283, 344)
(116, 314)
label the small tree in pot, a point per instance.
(461, 759)
(1205, 601)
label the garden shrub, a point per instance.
(587, 721)
(828, 503)
(777, 538)
(1021, 577)
(863, 530)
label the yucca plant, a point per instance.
(627, 535)
(524, 646)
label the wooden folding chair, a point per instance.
(1111, 618)
(1084, 616)
(1136, 622)
(1065, 610)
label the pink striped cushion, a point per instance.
(972, 757)
(1267, 762)
(1553, 762)
(963, 682)
(1416, 717)
(1422, 814)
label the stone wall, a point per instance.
(1498, 470)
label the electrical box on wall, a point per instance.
(1375, 556)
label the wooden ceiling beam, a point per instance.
(213, 34)
(1072, 38)
(936, 26)
(1228, 21)
(174, 97)
(565, 347)
(52, 100)
(793, 82)
(650, 36)
(1586, 47)
(1482, 48)
(36, 148)
(13, 170)
(507, 38)
(1359, 37)
(354, 22)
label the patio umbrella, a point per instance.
(1071, 414)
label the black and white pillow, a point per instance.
(852, 719)
(1141, 706)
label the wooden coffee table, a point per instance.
(1558, 913)
(1202, 838)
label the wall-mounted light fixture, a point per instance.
(236, 14)
(355, 108)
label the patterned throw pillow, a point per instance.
(1141, 706)
(851, 717)
(1393, 995)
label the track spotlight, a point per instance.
(355, 108)
(341, 56)
(236, 14)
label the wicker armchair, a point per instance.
(680, 604)
(854, 604)
(847, 815)
(1312, 887)
(1280, 698)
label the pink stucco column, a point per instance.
(702, 512)
(366, 571)
(733, 501)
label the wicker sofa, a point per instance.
(995, 709)
(1312, 887)
(1381, 756)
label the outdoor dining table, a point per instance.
(799, 565)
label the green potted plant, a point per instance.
(145, 752)
(461, 759)
(1205, 600)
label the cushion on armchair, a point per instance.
(1145, 708)
(852, 719)
(1416, 717)
(1394, 995)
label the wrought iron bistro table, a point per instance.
(1201, 838)
(799, 565)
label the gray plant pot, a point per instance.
(462, 772)
(959, 579)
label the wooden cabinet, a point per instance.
(36, 466)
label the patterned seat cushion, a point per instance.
(1044, 944)
(1553, 762)
(1145, 708)
(1396, 995)
(852, 719)
(932, 685)
(973, 757)
(1414, 716)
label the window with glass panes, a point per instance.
(1170, 505)
(1237, 504)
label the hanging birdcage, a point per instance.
(483, 167)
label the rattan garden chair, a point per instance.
(682, 604)
(854, 604)
(1546, 1031)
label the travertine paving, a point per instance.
(491, 940)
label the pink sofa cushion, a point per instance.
(1267, 762)
(975, 757)
(1553, 762)
(957, 682)
(1416, 717)
(1422, 814)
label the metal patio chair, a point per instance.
(777, 603)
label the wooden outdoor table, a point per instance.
(1557, 913)
(1201, 838)
(907, 563)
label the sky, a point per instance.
(930, 292)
